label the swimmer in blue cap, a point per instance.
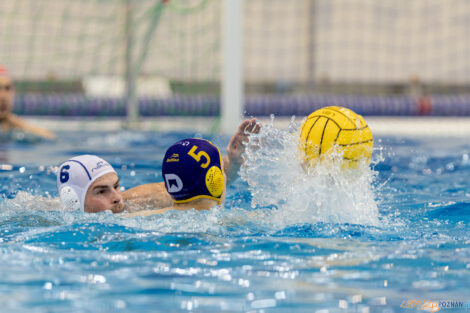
(192, 170)
(193, 174)
(155, 195)
(90, 184)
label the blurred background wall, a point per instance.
(398, 57)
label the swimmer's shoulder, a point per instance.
(17, 125)
(153, 194)
(145, 189)
(9, 132)
(6, 125)
(13, 121)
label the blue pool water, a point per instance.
(284, 242)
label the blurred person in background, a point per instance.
(10, 121)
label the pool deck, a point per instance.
(380, 126)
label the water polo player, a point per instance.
(155, 195)
(193, 174)
(82, 185)
(10, 121)
(90, 184)
(192, 170)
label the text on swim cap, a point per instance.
(174, 158)
(99, 165)
(64, 175)
(198, 156)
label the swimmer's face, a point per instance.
(104, 194)
(6, 96)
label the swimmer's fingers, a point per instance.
(251, 126)
(239, 135)
(247, 127)
(242, 129)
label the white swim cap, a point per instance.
(75, 177)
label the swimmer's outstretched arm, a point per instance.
(146, 212)
(21, 124)
(154, 195)
(233, 160)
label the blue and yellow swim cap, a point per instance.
(192, 169)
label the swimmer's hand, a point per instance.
(233, 160)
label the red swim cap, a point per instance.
(3, 71)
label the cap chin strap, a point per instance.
(69, 198)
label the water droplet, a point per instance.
(465, 158)
(120, 304)
(280, 295)
(342, 304)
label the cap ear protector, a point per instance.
(215, 182)
(69, 198)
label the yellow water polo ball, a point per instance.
(336, 131)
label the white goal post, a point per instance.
(232, 96)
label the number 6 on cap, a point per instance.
(64, 175)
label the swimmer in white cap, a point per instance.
(90, 184)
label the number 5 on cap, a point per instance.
(198, 156)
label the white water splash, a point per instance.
(26, 201)
(276, 178)
(282, 192)
(47, 211)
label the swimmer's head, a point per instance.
(192, 169)
(6, 93)
(90, 184)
